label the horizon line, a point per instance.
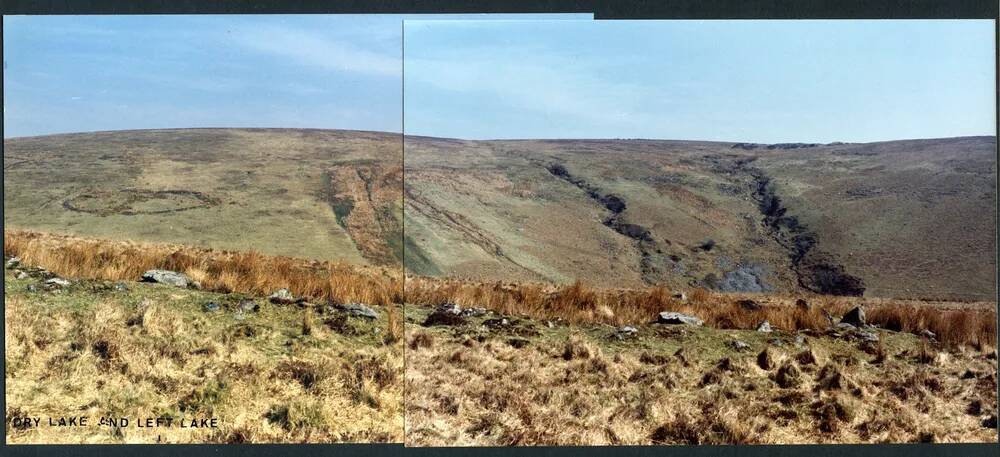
(403, 134)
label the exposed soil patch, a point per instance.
(132, 202)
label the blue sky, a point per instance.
(760, 81)
(87, 73)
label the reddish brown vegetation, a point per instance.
(970, 325)
(222, 271)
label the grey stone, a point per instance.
(120, 287)
(800, 340)
(31, 288)
(764, 327)
(628, 329)
(22, 275)
(211, 307)
(448, 308)
(866, 335)
(358, 309)
(473, 312)
(855, 317)
(670, 317)
(57, 282)
(247, 305)
(283, 296)
(168, 277)
(927, 334)
(13, 262)
(745, 278)
(739, 345)
(496, 323)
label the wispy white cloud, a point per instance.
(553, 87)
(314, 49)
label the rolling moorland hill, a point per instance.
(315, 194)
(910, 219)
(913, 219)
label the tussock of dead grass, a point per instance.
(577, 388)
(953, 324)
(221, 271)
(151, 351)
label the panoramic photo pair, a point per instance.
(499, 230)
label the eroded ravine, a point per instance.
(816, 271)
(651, 255)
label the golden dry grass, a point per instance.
(221, 271)
(953, 323)
(284, 374)
(573, 385)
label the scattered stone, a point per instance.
(927, 334)
(168, 277)
(239, 315)
(473, 312)
(31, 288)
(12, 263)
(673, 318)
(739, 345)
(282, 296)
(764, 327)
(764, 360)
(855, 317)
(247, 305)
(549, 324)
(22, 275)
(358, 309)
(749, 305)
(866, 335)
(120, 287)
(801, 303)
(776, 342)
(448, 308)
(496, 323)
(625, 332)
(211, 307)
(57, 282)
(844, 327)
(800, 341)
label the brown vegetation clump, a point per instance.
(578, 303)
(222, 271)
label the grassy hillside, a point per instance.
(895, 219)
(316, 194)
(104, 345)
(486, 382)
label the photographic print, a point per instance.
(699, 232)
(203, 229)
